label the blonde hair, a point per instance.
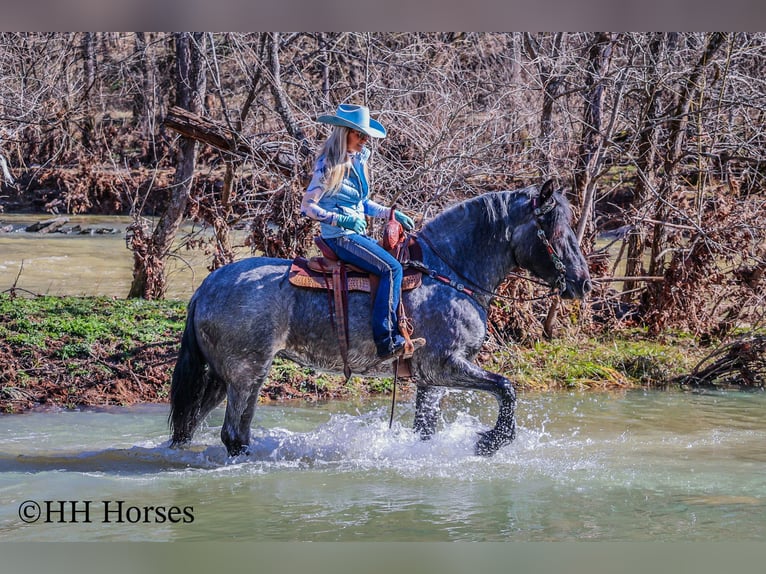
(337, 163)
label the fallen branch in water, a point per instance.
(740, 364)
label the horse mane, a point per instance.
(484, 211)
(493, 210)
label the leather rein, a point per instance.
(556, 289)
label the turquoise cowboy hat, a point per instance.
(355, 117)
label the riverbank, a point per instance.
(70, 352)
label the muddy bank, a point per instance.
(32, 378)
(81, 352)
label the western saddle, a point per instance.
(326, 272)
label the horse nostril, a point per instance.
(587, 286)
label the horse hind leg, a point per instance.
(194, 390)
(242, 398)
(210, 396)
(427, 410)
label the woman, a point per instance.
(339, 198)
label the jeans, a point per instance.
(366, 254)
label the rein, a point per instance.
(556, 289)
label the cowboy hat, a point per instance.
(355, 117)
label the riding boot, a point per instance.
(395, 347)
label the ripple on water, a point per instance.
(632, 467)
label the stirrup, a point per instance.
(411, 346)
(403, 352)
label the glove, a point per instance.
(355, 224)
(406, 221)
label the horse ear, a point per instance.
(546, 191)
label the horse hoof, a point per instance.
(424, 434)
(487, 444)
(490, 442)
(238, 450)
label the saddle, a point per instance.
(327, 273)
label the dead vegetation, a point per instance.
(740, 364)
(658, 137)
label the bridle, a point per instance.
(558, 287)
(539, 213)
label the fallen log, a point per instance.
(47, 226)
(202, 129)
(740, 364)
(227, 140)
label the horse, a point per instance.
(246, 313)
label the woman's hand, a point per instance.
(406, 221)
(355, 224)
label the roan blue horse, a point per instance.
(246, 313)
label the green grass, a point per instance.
(87, 342)
(85, 320)
(628, 359)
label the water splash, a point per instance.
(362, 442)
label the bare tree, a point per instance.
(89, 77)
(675, 147)
(151, 253)
(592, 136)
(552, 82)
(648, 132)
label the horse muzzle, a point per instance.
(577, 289)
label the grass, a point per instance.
(77, 344)
(626, 360)
(84, 320)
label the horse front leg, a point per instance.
(468, 375)
(427, 410)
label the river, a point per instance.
(633, 466)
(73, 264)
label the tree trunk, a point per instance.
(149, 279)
(144, 97)
(647, 151)
(592, 138)
(324, 57)
(281, 100)
(552, 84)
(89, 77)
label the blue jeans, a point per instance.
(366, 254)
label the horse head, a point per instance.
(547, 246)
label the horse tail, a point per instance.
(194, 389)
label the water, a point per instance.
(635, 466)
(79, 265)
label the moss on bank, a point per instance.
(88, 351)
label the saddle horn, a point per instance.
(393, 233)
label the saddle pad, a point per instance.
(301, 276)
